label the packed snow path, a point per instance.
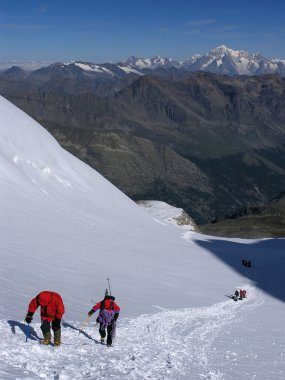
(177, 344)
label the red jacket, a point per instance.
(108, 305)
(51, 304)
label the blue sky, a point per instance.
(110, 31)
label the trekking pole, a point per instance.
(84, 323)
(109, 286)
(27, 331)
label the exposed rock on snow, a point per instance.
(169, 214)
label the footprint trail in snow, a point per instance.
(168, 345)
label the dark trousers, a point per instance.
(102, 332)
(55, 325)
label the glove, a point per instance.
(91, 312)
(29, 317)
(116, 316)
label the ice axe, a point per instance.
(84, 323)
(27, 331)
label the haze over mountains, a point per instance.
(206, 142)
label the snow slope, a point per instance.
(65, 228)
(169, 344)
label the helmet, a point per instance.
(44, 298)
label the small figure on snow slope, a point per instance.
(52, 310)
(108, 315)
(242, 294)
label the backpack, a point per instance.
(106, 316)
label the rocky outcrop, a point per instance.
(168, 214)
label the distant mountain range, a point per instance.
(221, 60)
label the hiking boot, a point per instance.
(57, 336)
(102, 340)
(47, 339)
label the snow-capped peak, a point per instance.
(151, 63)
(223, 49)
(224, 60)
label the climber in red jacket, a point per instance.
(108, 315)
(52, 310)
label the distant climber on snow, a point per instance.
(235, 296)
(52, 310)
(108, 315)
(242, 294)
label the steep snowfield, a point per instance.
(65, 228)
